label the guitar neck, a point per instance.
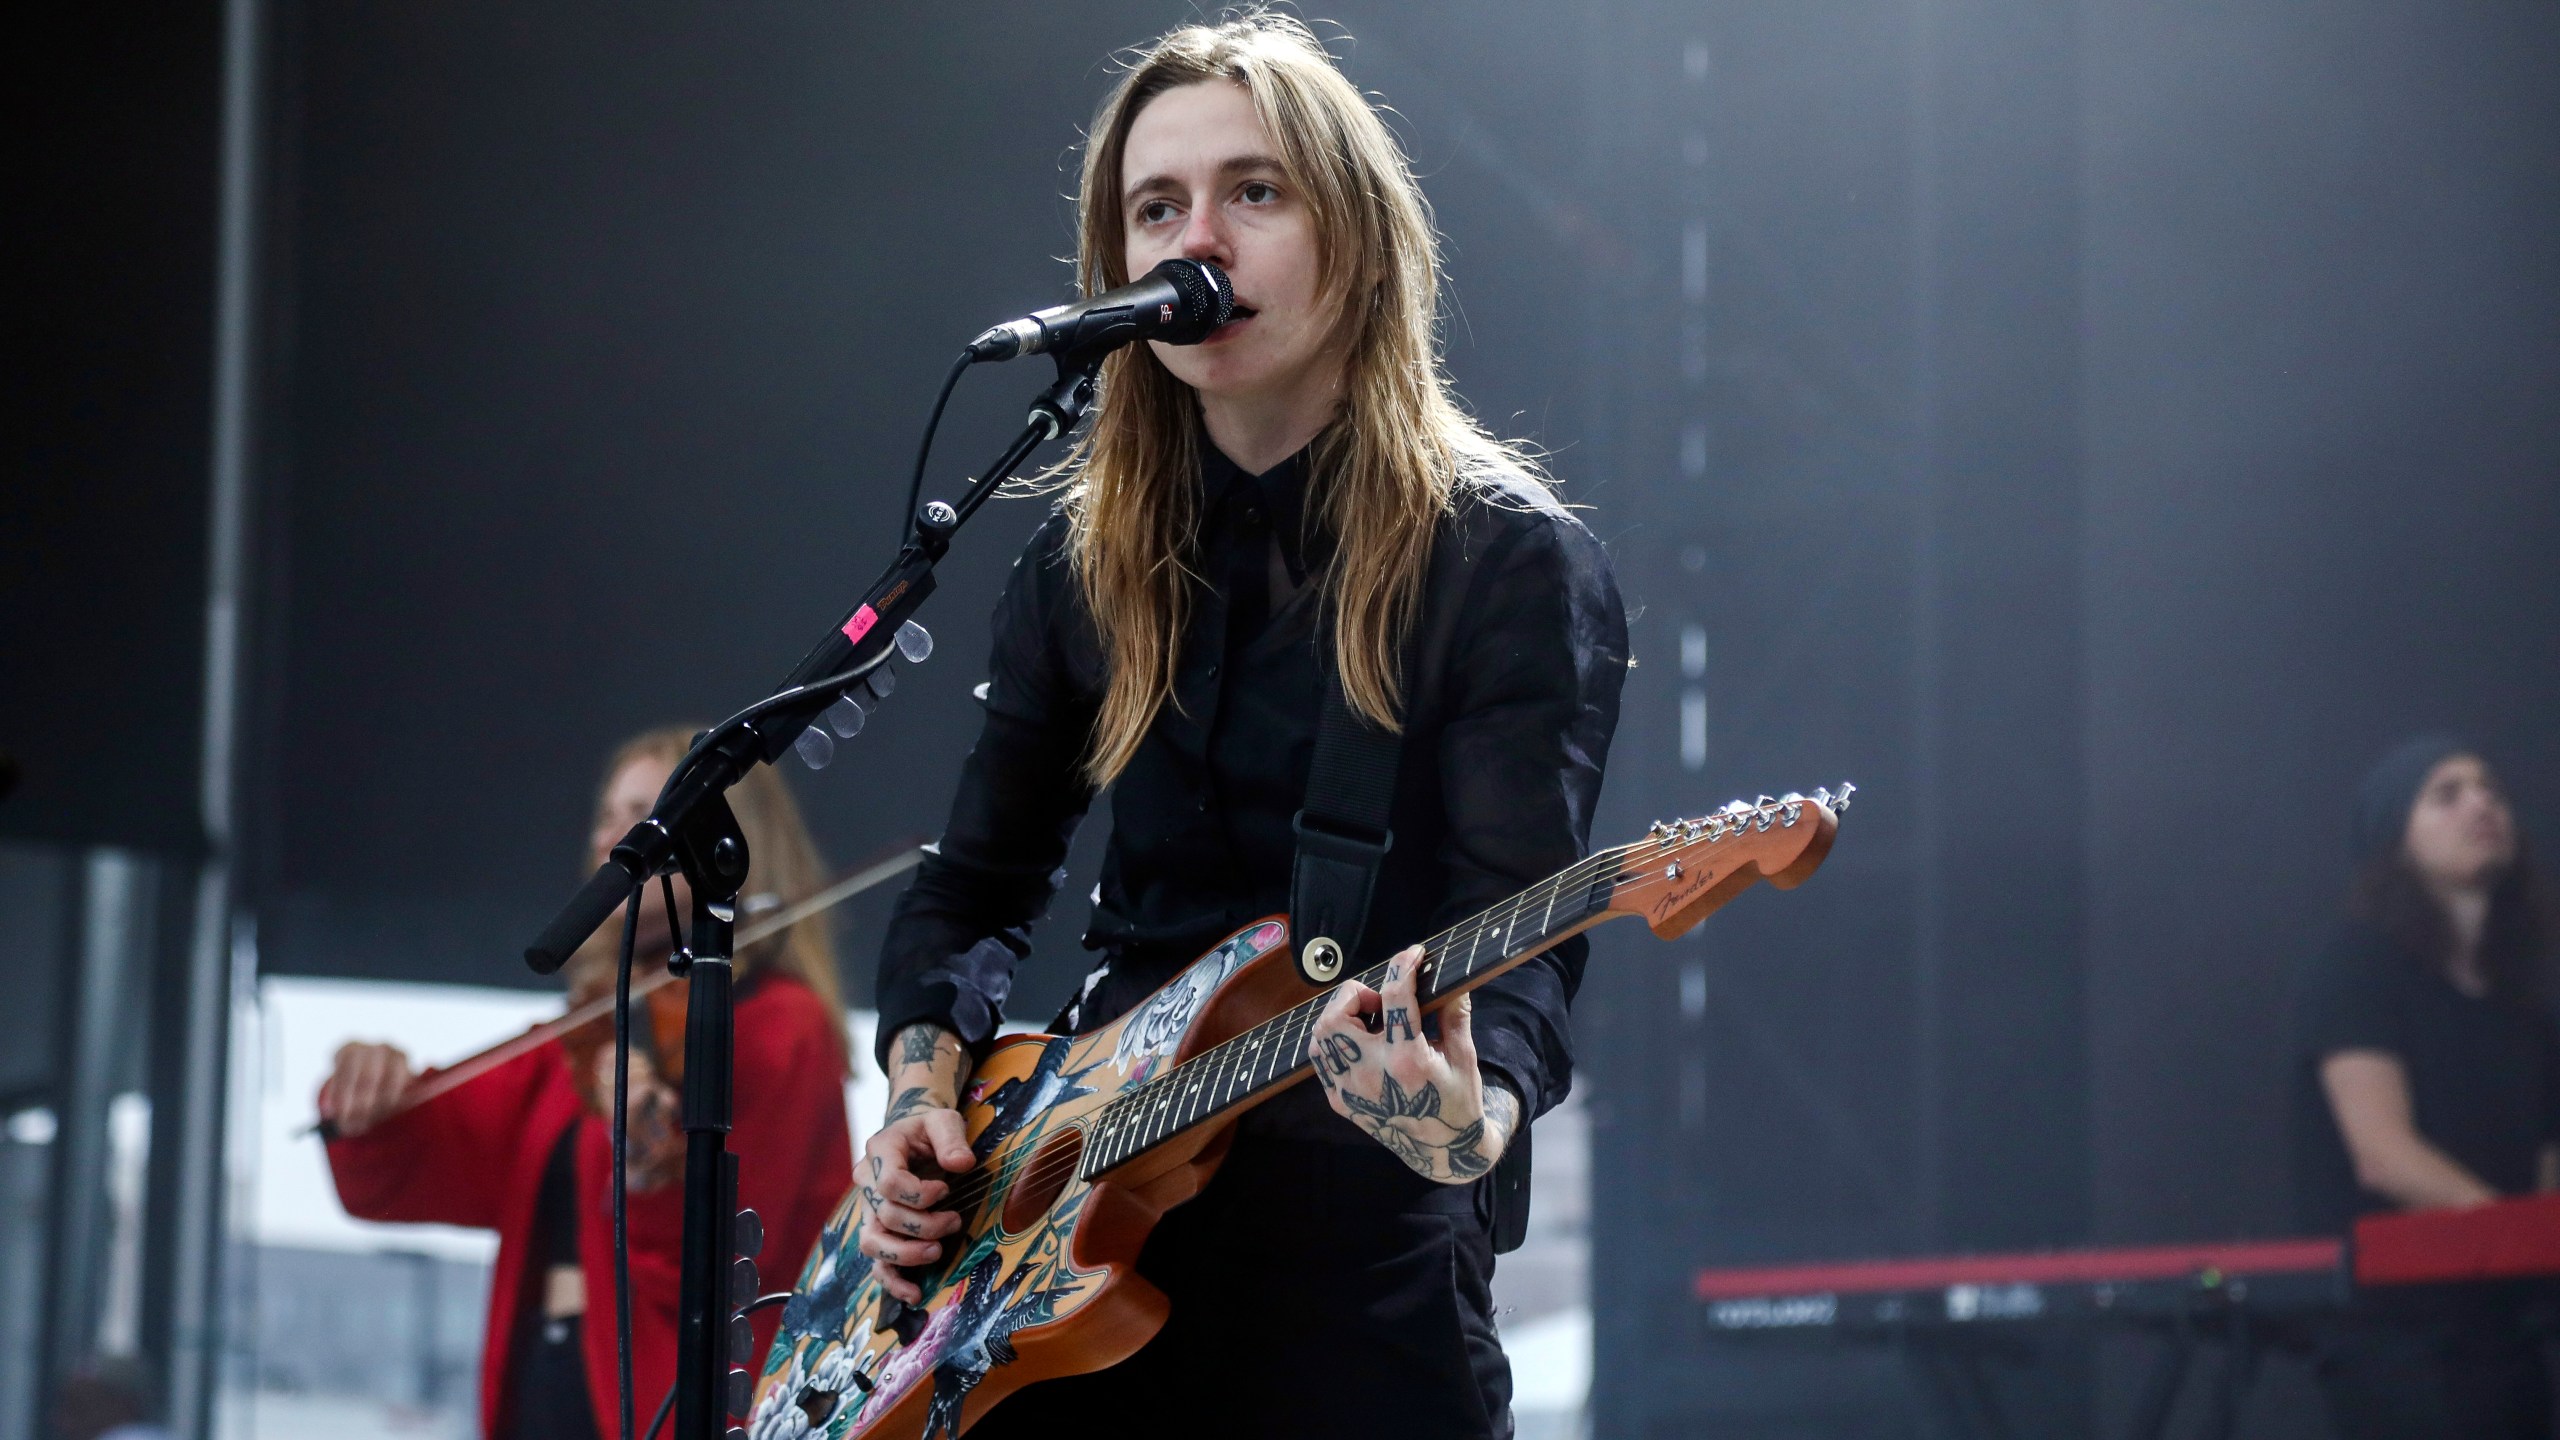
(1273, 1055)
(1679, 873)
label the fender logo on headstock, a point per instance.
(1686, 868)
(1685, 882)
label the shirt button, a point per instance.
(1211, 672)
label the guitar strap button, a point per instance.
(1320, 960)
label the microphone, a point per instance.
(1178, 302)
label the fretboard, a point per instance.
(1273, 1054)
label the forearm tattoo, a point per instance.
(909, 1101)
(916, 1046)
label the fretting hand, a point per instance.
(1423, 1098)
(922, 1138)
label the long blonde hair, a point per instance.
(1388, 468)
(782, 862)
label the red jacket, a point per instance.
(476, 1157)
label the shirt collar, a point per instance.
(1282, 491)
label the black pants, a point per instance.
(1317, 1290)
(547, 1397)
(2436, 1365)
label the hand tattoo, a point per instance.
(1410, 1124)
(1399, 1019)
(1395, 1103)
(1336, 1056)
(909, 1101)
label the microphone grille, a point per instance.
(1207, 294)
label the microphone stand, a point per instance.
(692, 829)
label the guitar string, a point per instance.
(1200, 1069)
(1043, 1170)
(1304, 1014)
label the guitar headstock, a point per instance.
(1684, 870)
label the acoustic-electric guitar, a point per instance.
(1083, 1141)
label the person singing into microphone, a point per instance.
(1299, 494)
(525, 1150)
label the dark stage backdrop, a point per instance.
(2095, 429)
(107, 411)
(2099, 430)
(612, 331)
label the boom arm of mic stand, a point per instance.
(859, 644)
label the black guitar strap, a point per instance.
(1343, 835)
(1343, 840)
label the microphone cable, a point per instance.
(619, 1179)
(924, 448)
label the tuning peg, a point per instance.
(882, 683)
(845, 717)
(915, 642)
(746, 1236)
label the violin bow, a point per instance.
(897, 860)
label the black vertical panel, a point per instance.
(109, 278)
(1999, 380)
(2322, 512)
(2322, 516)
(1762, 1108)
(1854, 428)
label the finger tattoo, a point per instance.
(1399, 1019)
(1336, 1054)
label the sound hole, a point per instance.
(1036, 1186)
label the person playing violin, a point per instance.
(525, 1149)
(1299, 493)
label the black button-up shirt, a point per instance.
(1509, 710)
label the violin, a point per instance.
(658, 1005)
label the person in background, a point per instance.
(2428, 1074)
(526, 1149)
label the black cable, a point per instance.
(779, 699)
(924, 448)
(906, 531)
(675, 932)
(621, 1150)
(663, 1407)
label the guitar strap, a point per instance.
(1343, 840)
(1343, 835)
